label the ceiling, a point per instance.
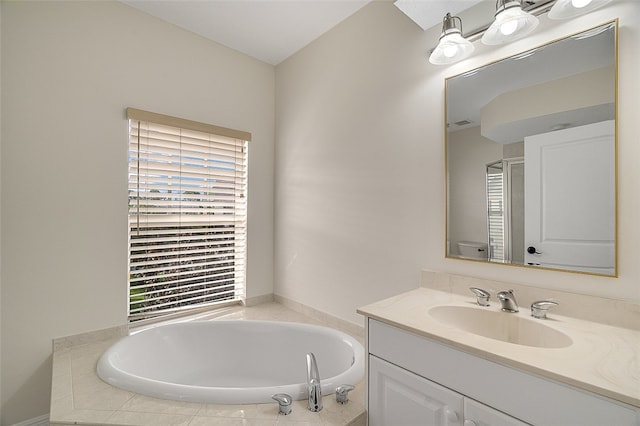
(273, 30)
(268, 30)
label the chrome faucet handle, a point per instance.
(342, 393)
(482, 296)
(539, 309)
(284, 403)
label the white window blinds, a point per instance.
(187, 214)
(496, 211)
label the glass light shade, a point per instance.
(565, 9)
(511, 23)
(452, 47)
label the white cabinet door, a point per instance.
(400, 398)
(476, 414)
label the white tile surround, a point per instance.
(78, 396)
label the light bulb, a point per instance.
(452, 47)
(565, 9)
(580, 3)
(450, 51)
(509, 27)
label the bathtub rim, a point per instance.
(228, 395)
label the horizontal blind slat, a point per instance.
(145, 289)
(162, 233)
(175, 219)
(144, 251)
(207, 172)
(187, 301)
(193, 290)
(200, 264)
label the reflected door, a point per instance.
(569, 201)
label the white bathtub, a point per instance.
(230, 362)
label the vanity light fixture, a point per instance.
(510, 23)
(452, 47)
(565, 9)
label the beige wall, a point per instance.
(359, 162)
(69, 70)
(355, 177)
(468, 156)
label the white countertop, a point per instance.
(603, 359)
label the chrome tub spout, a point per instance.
(313, 384)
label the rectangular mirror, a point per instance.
(531, 157)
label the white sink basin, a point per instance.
(503, 326)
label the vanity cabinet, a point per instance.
(399, 397)
(414, 380)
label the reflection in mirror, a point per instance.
(531, 155)
(505, 209)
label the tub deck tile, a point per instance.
(147, 404)
(134, 418)
(79, 396)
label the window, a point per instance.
(187, 214)
(496, 210)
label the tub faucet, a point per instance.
(313, 384)
(342, 393)
(508, 300)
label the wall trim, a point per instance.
(258, 300)
(36, 421)
(90, 337)
(329, 320)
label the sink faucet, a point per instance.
(508, 300)
(313, 384)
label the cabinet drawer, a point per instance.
(529, 397)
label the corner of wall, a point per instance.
(1, 213)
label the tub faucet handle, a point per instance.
(284, 403)
(482, 296)
(342, 393)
